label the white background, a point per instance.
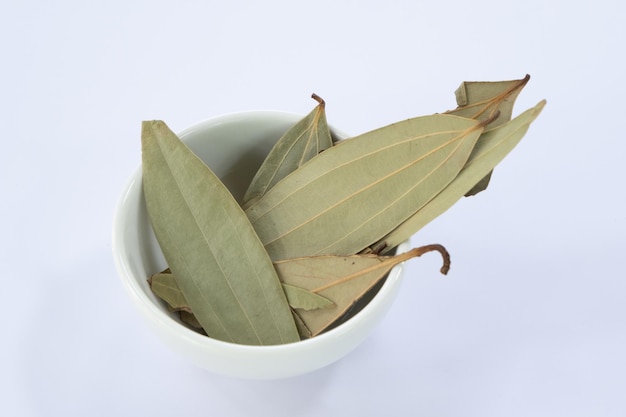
(531, 320)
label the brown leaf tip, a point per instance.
(446, 259)
(438, 248)
(318, 99)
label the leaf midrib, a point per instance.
(218, 261)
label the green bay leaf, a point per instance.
(223, 270)
(491, 148)
(357, 191)
(307, 138)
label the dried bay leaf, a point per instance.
(303, 330)
(190, 320)
(359, 190)
(481, 100)
(303, 141)
(222, 269)
(320, 289)
(342, 279)
(302, 299)
(358, 305)
(491, 148)
(480, 186)
(165, 286)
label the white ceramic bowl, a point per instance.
(233, 146)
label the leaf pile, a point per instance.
(314, 235)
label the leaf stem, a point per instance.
(490, 119)
(388, 262)
(430, 248)
(318, 99)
